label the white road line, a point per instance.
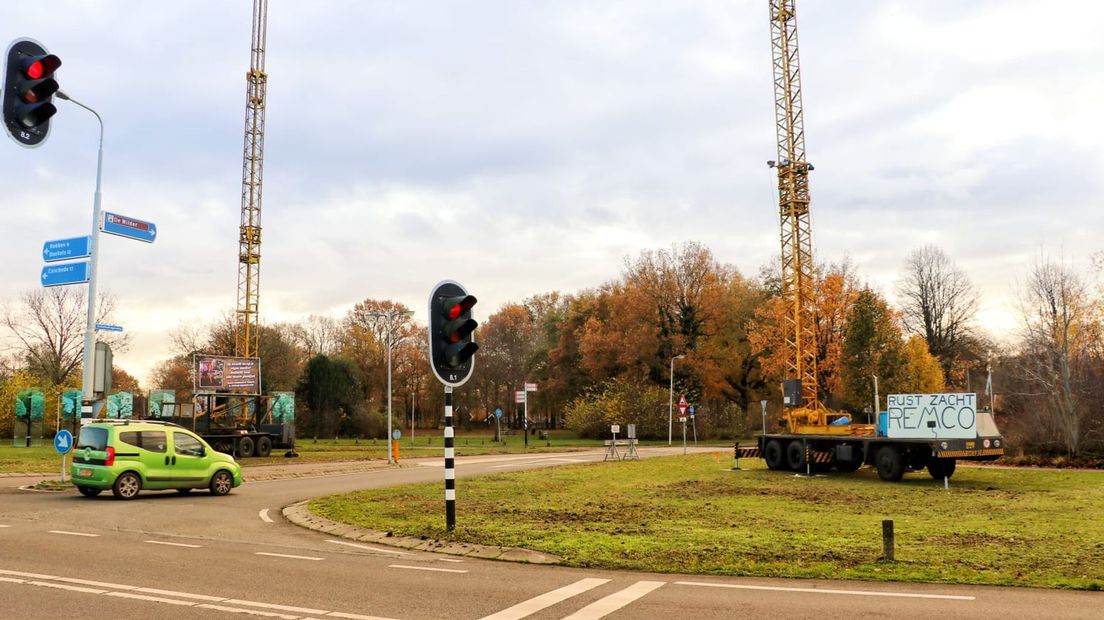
(2, 525)
(284, 555)
(154, 599)
(251, 612)
(450, 560)
(98, 584)
(537, 462)
(198, 597)
(172, 544)
(264, 516)
(74, 533)
(438, 570)
(605, 606)
(366, 547)
(61, 586)
(12, 580)
(302, 610)
(948, 597)
(338, 614)
(547, 599)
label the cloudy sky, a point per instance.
(524, 147)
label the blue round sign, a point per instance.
(498, 413)
(63, 441)
(691, 411)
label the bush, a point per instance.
(620, 402)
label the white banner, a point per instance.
(530, 387)
(932, 416)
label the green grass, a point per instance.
(426, 443)
(693, 515)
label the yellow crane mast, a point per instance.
(247, 332)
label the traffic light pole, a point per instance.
(90, 325)
(450, 465)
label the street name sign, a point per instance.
(530, 387)
(129, 227)
(519, 397)
(104, 327)
(67, 249)
(69, 273)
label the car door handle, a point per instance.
(174, 460)
(166, 460)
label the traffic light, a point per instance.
(451, 333)
(29, 88)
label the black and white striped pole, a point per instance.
(451, 350)
(450, 465)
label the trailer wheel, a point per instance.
(941, 468)
(774, 455)
(245, 447)
(264, 446)
(795, 455)
(890, 464)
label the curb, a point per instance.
(303, 517)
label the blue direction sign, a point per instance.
(67, 249)
(63, 441)
(68, 273)
(691, 411)
(498, 413)
(104, 327)
(123, 226)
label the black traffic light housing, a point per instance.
(29, 88)
(451, 333)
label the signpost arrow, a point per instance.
(66, 249)
(69, 273)
(129, 227)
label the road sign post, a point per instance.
(694, 424)
(63, 443)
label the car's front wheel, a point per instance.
(221, 482)
(127, 485)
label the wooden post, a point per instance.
(887, 540)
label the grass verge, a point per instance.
(693, 515)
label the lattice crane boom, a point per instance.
(793, 205)
(247, 332)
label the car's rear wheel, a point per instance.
(127, 485)
(221, 482)
(89, 491)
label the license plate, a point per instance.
(84, 472)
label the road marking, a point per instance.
(538, 462)
(251, 612)
(377, 549)
(146, 597)
(948, 597)
(74, 533)
(131, 592)
(605, 606)
(302, 610)
(172, 544)
(547, 599)
(265, 517)
(450, 560)
(439, 570)
(284, 555)
(2, 525)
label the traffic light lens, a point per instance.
(454, 312)
(35, 71)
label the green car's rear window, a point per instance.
(154, 441)
(91, 437)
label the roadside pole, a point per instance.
(450, 465)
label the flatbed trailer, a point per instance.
(891, 457)
(237, 424)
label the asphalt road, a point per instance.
(169, 556)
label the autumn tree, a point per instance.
(923, 374)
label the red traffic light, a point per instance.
(38, 67)
(455, 306)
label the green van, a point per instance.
(127, 456)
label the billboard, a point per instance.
(120, 405)
(30, 404)
(227, 374)
(71, 404)
(932, 416)
(161, 403)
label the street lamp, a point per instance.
(671, 398)
(390, 316)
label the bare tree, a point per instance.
(48, 327)
(1060, 348)
(938, 302)
(317, 335)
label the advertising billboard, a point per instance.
(283, 407)
(932, 416)
(161, 403)
(241, 375)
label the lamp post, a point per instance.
(671, 398)
(390, 316)
(87, 372)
